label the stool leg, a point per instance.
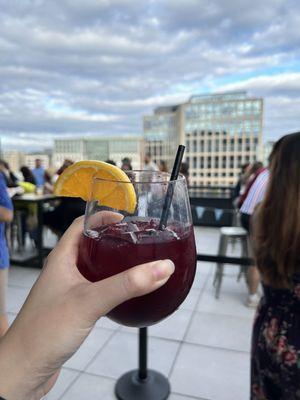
(243, 268)
(220, 267)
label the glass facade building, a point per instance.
(100, 148)
(161, 133)
(221, 132)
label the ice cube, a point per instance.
(172, 233)
(130, 237)
(131, 227)
(92, 234)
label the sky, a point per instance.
(72, 68)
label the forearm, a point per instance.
(6, 215)
(16, 377)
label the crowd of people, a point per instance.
(268, 199)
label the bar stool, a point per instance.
(230, 234)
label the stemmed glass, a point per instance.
(152, 221)
(136, 238)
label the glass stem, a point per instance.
(143, 353)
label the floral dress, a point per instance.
(275, 359)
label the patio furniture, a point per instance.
(37, 258)
(229, 234)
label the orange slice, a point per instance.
(113, 188)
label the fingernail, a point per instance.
(163, 269)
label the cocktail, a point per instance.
(150, 220)
(136, 238)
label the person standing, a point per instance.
(126, 164)
(149, 165)
(163, 166)
(254, 171)
(6, 215)
(184, 170)
(275, 355)
(9, 177)
(254, 197)
(240, 186)
(39, 173)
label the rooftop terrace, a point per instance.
(203, 347)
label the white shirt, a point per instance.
(256, 193)
(151, 166)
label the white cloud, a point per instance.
(88, 66)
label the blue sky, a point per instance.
(95, 67)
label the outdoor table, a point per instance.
(39, 200)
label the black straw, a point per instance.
(168, 200)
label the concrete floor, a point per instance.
(203, 347)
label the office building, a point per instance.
(267, 148)
(100, 148)
(221, 132)
(14, 158)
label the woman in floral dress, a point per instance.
(275, 363)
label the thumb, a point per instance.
(134, 282)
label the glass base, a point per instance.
(130, 387)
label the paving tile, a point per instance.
(88, 387)
(174, 396)
(107, 324)
(11, 317)
(65, 379)
(23, 276)
(219, 330)
(229, 282)
(211, 373)
(191, 300)
(204, 270)
(120, 355)
(229, 303)
(15, 298)
(173, 327)
(91, 346)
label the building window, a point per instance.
(224, 162)
(209, 145)
(209, 162)
(201, 145)
(201, 162)
(188, 145)
(194, 146)
(194, 162)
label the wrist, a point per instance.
(14, 376)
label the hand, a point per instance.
(60, 312)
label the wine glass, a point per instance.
(138, 237)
